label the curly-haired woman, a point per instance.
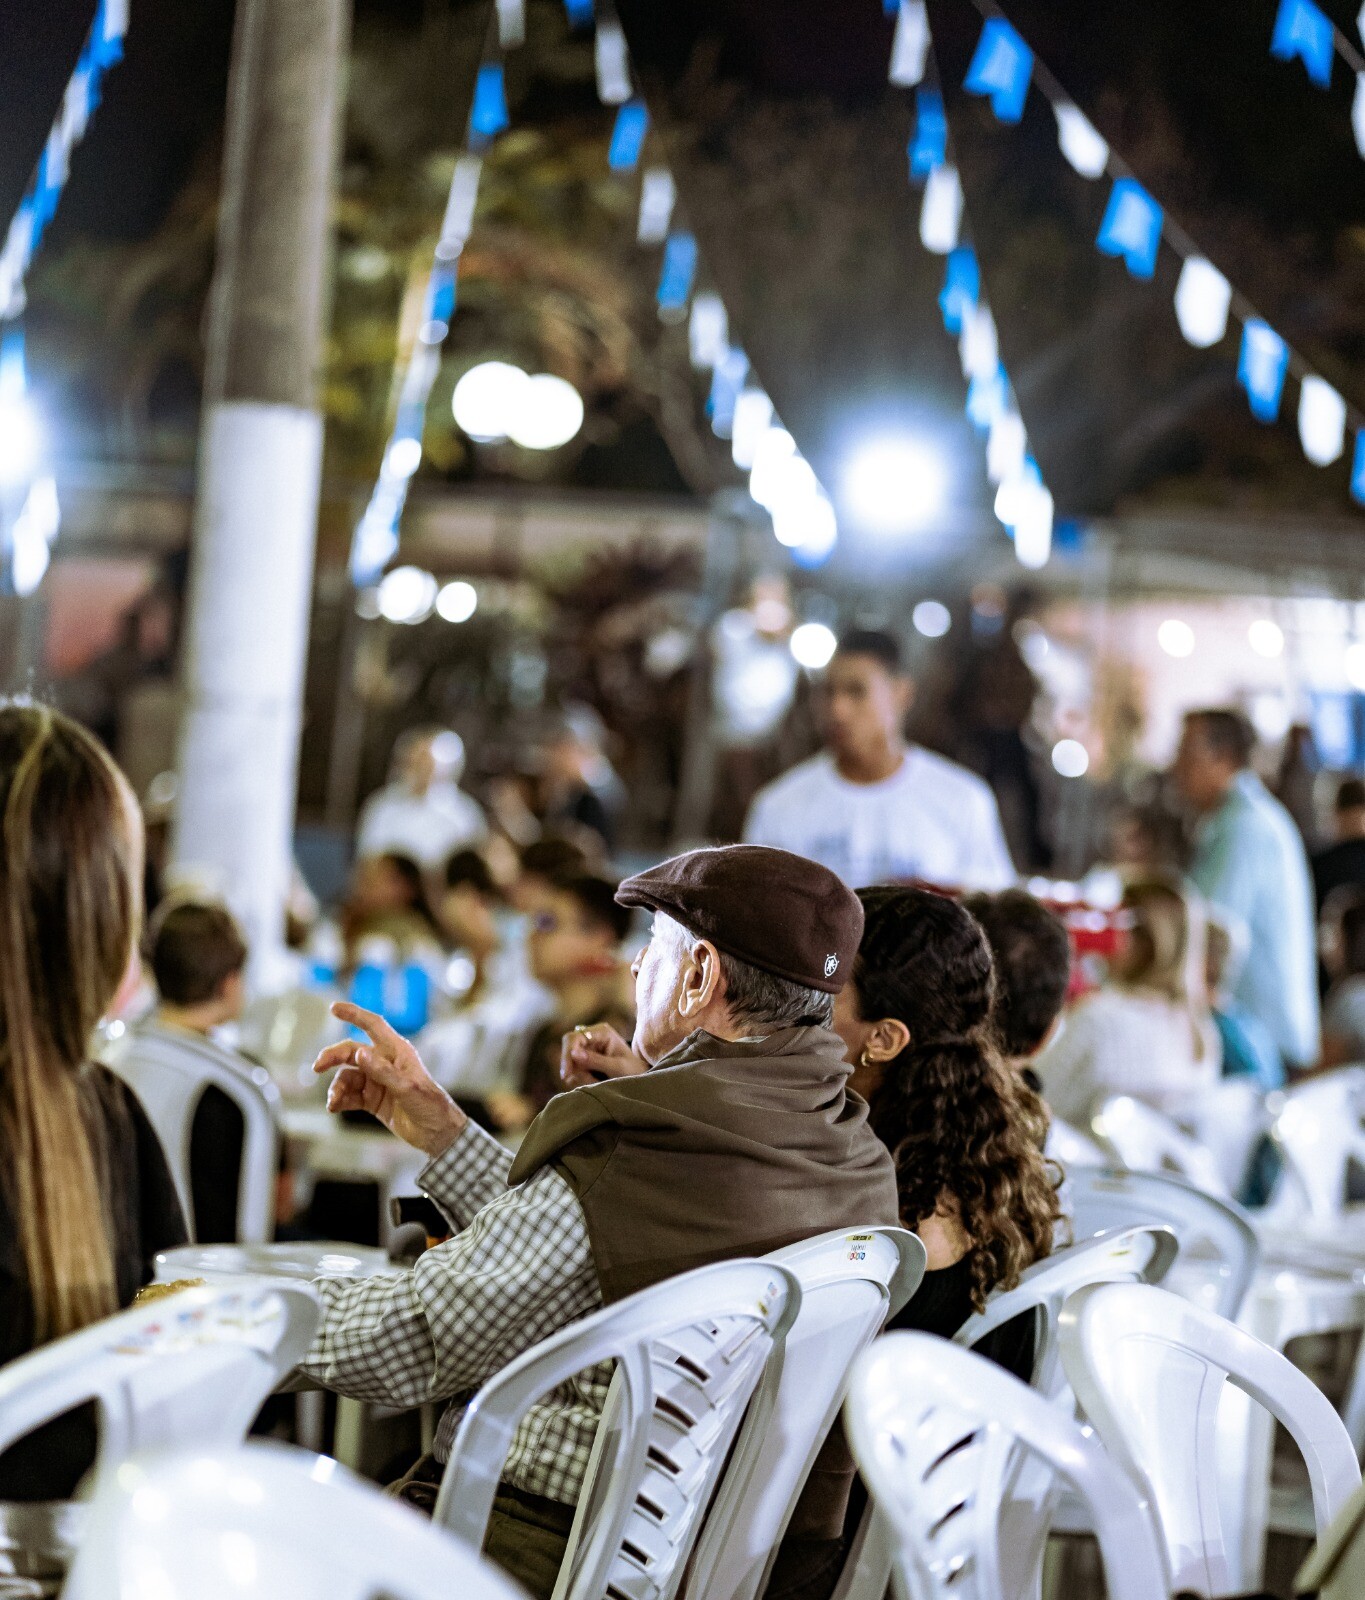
(966, 1132)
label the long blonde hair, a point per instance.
(1167, 944)
(68, 923)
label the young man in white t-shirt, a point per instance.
(871, 808)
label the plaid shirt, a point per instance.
(518, 1269)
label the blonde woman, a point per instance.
(1148, 1031)
(86, 1199)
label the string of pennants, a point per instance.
(737, 409)
(1304, 32)
(1002, 70)
(1023, 502)
(26, 540)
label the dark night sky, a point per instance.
(1255, 138)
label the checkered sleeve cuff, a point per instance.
(468, 1175)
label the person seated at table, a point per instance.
(1147, 1032)
(744, 1142)
(86, 1198)
(198, 955)
(387, 903)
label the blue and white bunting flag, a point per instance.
(1261, 368)
(727, 384)
(708, 333)
(103, 47)
(1322, 421)
(961, 287)
(987, 398)
(1202, 300)
(1000, 70)
(929, 142)
(940, 216)
(678, 270)
(628, 136)
(488, 112)
(511, 23)
(910, 44)
(1303, 31)
(1079, 141)
(658, 194)
(1358, 469)
(612, 62)
(579, 13)
(1131, 228)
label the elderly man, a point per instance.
(738, 1139)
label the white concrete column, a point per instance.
(249, 608)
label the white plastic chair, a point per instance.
(1142, 1254)
(1319, 1129)
(1149, 1371)
(169, 1071)
(1127, 1255)
(188, 1370)
(1228, 1120)
(851, 1283)
(287, 1031)
(271, 1522)
(1136, 1136)
(690, 1354)
(1216, 1229)
(937, 1432)
(1069, 1147)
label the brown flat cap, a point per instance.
(775, 910)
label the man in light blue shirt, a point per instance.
(1249, 860)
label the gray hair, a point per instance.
(757, 997)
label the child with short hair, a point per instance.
(198, 954)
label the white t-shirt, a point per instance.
(1118, 1041)
(430, 827)
(931, 820)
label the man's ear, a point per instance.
(701, 979)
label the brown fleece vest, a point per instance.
(725, 1148)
